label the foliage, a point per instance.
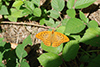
(80, 31)
(14, 57)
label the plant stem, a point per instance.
(85, 52)
(93, 51)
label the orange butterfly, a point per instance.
(51, 37)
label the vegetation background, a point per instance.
(21, 20)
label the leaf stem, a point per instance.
(85, 52)
(93, 51)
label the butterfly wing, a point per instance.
(59, 38)
(45, 36)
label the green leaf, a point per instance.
(83, 17)
(70, 50)
(24, 64)
(83, 3)
(29, 5)
(51, 49)
(54, 14)
(20, 52)
(84, 58)
(1, 56)
(58, 5)
(17, 4)
(50, 60)
(3, 10)
(42, 21)
(10, 57)
(2, 65)
(49, 22)
(25, 12)
(74, 25)
(61, 29)
(71, 13)
(82, 65)
(15, 14)
(0, 5)
(64, 21)
(92, 24)
(2, 43)
(13, 19)
(91, 37)
(27, 40)
(70, 4)
(76, 37)
(37, 12)
(95, 62)
(56, 24)
(36, 2)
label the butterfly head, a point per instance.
(53, 31)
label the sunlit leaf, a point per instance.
(50, 60)
(51, 49)
(70, 50)
(37, 12)
(71, 13)
(91, 37)
(74, 25)
(58, 5)
(3, 10)
(83, 3)
(92, 24)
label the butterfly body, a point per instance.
(51, 37)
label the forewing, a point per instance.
(59, 38)
(45, 37)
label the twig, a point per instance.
(21, 23)
(60, 16)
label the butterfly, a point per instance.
(51, 37)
